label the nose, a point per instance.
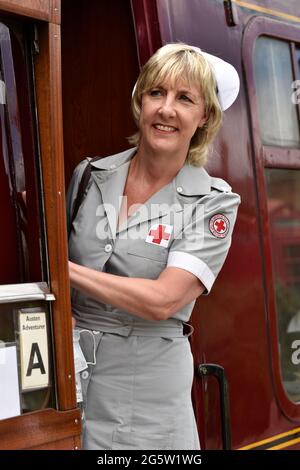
(167, 108)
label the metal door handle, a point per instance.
(205, 370)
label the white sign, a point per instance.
(9, 382)
(33, 350)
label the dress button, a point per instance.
(84, 374)
(112, 167)
(108, 248)
(179, 189)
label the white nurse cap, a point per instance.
(228, 81)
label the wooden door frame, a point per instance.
(52, 428)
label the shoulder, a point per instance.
(196, 181)
(81, 165)
(222, 191)
(79, 169)
(111, 162)
(220, 184)
(215, 194)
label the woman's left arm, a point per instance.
(149, 299)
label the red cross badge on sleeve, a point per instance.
(159, 235)
(219, 225)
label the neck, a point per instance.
(155, 167)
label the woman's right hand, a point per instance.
(73, 322)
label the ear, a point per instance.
(202, 121)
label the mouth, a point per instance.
(164, 128)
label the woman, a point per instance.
(150, 236)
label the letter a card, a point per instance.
(33, 349)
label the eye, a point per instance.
(155, 92)
(185, 98)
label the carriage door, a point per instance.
(26, 368)
(280, 143)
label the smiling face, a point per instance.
(170, 115)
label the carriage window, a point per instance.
(26, 370)
(284, 218)
(273, 75)
(21, 242)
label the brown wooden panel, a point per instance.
(71, 443)
(281, 158)
(55, 11)
(40, 429)
(99, 69)
(34, 8)
(48, 89)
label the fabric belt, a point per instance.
(124, 325)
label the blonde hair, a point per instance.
(174, 62)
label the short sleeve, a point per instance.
(202, 246)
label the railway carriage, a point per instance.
(67, 69)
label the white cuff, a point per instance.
(179, 259)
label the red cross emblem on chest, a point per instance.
(159, 234)
(219, 225)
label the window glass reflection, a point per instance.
(284, 219)
(9, 243)
(278, 117)
(22, 236)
